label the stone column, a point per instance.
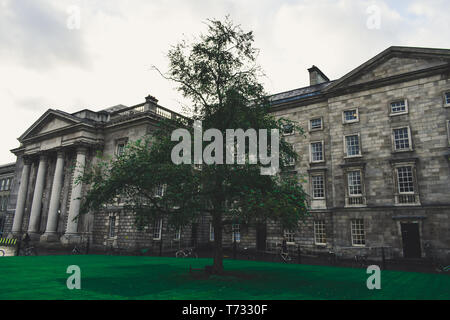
(71, 234)
(52, 220)
(21, 198)
(36, 205)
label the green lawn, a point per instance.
(123, 277)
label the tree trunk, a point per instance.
(218, 251)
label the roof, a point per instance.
(316, 90)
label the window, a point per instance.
(290, 161)
(316, 151)
(2, 184)
(112, 227)
(447, 99)
(211, 232)
(315, 124)
(405, 179)
(157, 228)
(319, 232)
(352, 147)
(355, 191)
(289, 235)
(398, 107)
(448, 131)
(177, 234)
(120, 146)
(406, 189)
(236, 232)
(358, 233)
(318, 186)
(354, 183)
(402, 139)
(349, 116)
(3, 203)
(160, 189)
(120, 149)
(8, 184)
(288, 129)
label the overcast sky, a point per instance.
(48, 60)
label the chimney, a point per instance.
(151, 100)
(316, 76)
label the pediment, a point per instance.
(52, 120)
(394, 61)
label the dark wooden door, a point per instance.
(411, 240)
(261, 236)
(194, 234)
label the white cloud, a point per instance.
(107, 61)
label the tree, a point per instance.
(219, 75)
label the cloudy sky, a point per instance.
(53, 57)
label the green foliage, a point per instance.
(220, 76)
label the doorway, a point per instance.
(261, 236)
(411, 240)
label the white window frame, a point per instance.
(355, 200)
(287, 134)
(398, 179)
(322, 232)
(119, 142)
(157, 224)
(344, 121)
(289, 235)
(177, 236)
(446, 104)
(290, 162)
(310, 152)
(2, 184)
(409, 139)
(8, 184)
(234, 227)
(211, 232)
(346, 147)
(353, 233)
(315, 129)
(391, 114)
(318, 174)
(161, 187)
(448, 131)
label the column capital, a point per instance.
(43, 157)
(82, 150)
(27, 161)
(60, 153)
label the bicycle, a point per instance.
(285, 256)
(186, 253)
(28, 251)
(2, 253)
(361, 260)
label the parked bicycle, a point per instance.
(361, 260)
(2, 253)
(186, 253)
(28, 251)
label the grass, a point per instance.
(128, 277)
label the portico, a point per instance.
(53, 152)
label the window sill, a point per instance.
(400, 151)
(353, 157)
(350, 122)
(314, 130)
(359, 245)
(397, 114)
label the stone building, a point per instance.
(6, 183)
(375, 160)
